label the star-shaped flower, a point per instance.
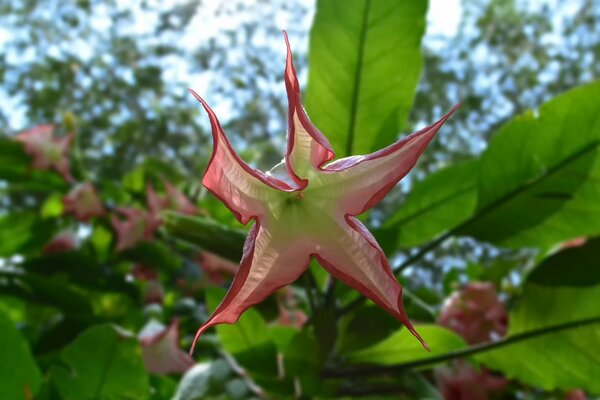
(305, 207)
(47, 152)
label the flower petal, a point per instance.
(244, 190)
(360, 182)
(307, 147)
(160, 349)
(269, 263)
(354, 257)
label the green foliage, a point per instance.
(555, 295)
(401, 346)
(439, 202)
(21, 376)
(104, 363)
(66, 308)
(358, 92)
(538, 182)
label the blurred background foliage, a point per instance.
(491, 200)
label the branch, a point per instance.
(469, 351)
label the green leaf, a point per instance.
(69, 299)
(557, 271)
(440, 202)
(53, 206)
(21, 376)
(567, 359)
(365, 63)
(539, 180)
(402, 347)
(22, 232)
(202, 380)
(361, 328)
(206, 233)
(248, 340)
(153, 254)
(102, 363)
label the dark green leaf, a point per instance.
(206, 233)
(102, 363)
(365, 63)
(21, 376)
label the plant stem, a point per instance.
(309, 286)
(469, 351)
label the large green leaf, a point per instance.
(539, 180)
(365, 63)
(440, 202)
(567, 359)
(20, 375)
(102, 363)
(248, 340)
(206, 233)
(402, 347)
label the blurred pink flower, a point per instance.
(460, 381)
(217, 269)
(154, 292)
(576, 394)
(47, 152)
(137, 226)
(160, 349)
(62, 242)
(144, 273)
(289, 312)
(577, 242)
(173, 200)
(475, 313)
(83, 202)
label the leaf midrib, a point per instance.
(358, 78)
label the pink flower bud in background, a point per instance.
(289, 313)
(143, 273)
(576, 394)
(137, 226)
(154, 293)
(160, 349)
(83, 202)
(475, 313)
(217, 269)
(177, 201)
(62, 242)
(47, 152)
(461, 381)
(174, 200)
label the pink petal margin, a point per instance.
(220, 315)
(321, 150)
(213, 177)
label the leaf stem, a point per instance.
(469, 351)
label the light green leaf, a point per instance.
(21, 376)
(248, 340)
(102, 363)
(563, 360)
(440, 202)
(402, 347)
(365, 63)
(539, 180)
